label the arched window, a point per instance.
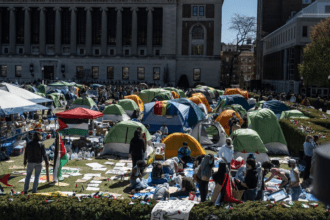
(197, 40)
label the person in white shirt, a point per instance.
(164, 130)
(226, 153)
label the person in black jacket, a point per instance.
(33, 157)
(136, 147)
(250, 181)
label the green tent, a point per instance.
(56, 98)
(114, 110)
(84, 101)
(42, 88)
(182, 94)
(266, 124)
(128, 105)
(61, 83)
(259, 104)
(237, 108)
(172, 89)
(41, 94)
(123, 132)
(79, 86)
(292, 114)
(247, 141)
(221, 92)
(148, 94)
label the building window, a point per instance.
(110, 72)
(20, 26)
(126, 52)
(6, 50)
(125, 73)
(18, 71)
(112, 52)
(294, 33)
(97, 52)
(81, 51)
(197, 74)
(127, 26)
(195, 10)
(327, 9)
(305, 31)
(96, 26)
(197, 41)
(66, 26)
(20, 50)
(4, 71)
(5, 27)
(142, 52)
(142, 26)
(157, 33)
(95, 70)
(112, 25)
(201, 10)
(35, 24)
(157, 52)
(50, 26)
(140, 73)
(80, 72)
(81, 26)
(156, 73)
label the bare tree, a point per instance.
(245, 28)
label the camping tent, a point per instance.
(237, 108)
(149, 94)
(137, 100)
(172, 89)
(195, 113)
(84, 103)
(265, 123)
(75, 121)
(237, 91)
(292, 114)
(13, 104)
(95, 86)
(60, 83)
(42, 88)
(175, 95)
(56, 97)
(209, 133)
(231, 100)
(224, 117)
(247, 141)
(174, 142)
(130, 107)
(276, 106)
(207, 94)
(173, 114)
(181, 93)
(203, 100)
(23, 93)
(118, 139)
(115, 113)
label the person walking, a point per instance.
(136, 148)
(203, 174)
(33, 156)
(309, 147)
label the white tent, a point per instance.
(23, 93)
(209, 133)
(13, 104)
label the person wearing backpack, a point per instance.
(33, 156)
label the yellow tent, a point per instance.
(204, 100)
(175, 95)
(174, 142)
(224, 117)
(137, 100)
(238, 91)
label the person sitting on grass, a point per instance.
(184, 154)
(157, 175)
(162, 192)
(136, 177)
(187, 186)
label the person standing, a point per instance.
(184, 154)
(136, 148)
(250, 181)
(234, 120)
(325, 106)
(294, 180)
(309, 147)
(317, 103)
(203, 174)
(227, 152)
(33, 156)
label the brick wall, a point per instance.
(186, 10)
(209, 25)
(209, 11)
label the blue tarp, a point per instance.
(276, 106)
(175, 120)
(234, 99)
(195, 113)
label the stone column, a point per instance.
(73, 34)
(134, 31)
(42, 31)
(88, 31)
(149, 31)
(104, 35)
(27, 31)
(119, 34)
(58, 30)
(0, 30)
(12, 31)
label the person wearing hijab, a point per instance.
(203, 174)
(136, 147)
(227, 152)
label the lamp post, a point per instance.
(42, 71)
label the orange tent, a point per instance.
(238, 91)
(175, 95)
(224, 117)
(137, 100)
(204, 100)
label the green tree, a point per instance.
(315, 68)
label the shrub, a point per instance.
(294, 137)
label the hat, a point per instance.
(185, 143)
(251, 155)
(292, 161)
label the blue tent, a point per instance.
(234, 99)
(195, 113)
(276, 106)
(176, 117)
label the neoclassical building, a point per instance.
(111, 40)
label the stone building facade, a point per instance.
(111, 40)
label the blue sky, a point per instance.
(232, 7)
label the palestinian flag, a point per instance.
(61, 158)
(73, 126)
